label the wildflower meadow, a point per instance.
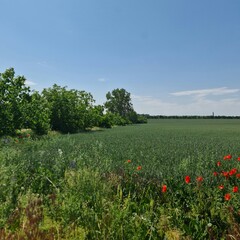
(168, 179)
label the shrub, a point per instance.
(39, 114)
(71, 110)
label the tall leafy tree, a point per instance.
(119, 102)
(14, 97)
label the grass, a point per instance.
(81, 186)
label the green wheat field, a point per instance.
(124, 183)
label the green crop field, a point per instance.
(108, 184)
(166, 147)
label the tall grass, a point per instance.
(108, 184)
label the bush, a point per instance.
(39, 114)
(106, 121)
(71, 110)
(141, 119)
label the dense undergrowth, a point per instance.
(72, 186)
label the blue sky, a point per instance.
(173, 56)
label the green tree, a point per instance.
(14, 97)
(119, 102)
(71, 110)
(39, 114)
(97, 115)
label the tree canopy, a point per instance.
(57, 108)
(119, 102)
(14, 97)
(71, 110)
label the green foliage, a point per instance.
(119, 103)
(71, 110)
(119, 121)
(67, 111)
(20, 109)
(96, 115)
(14, 97)
(141, 119)
(110, 119)
(39, 114)
(133, 117)
(106, 120)
(108, 184)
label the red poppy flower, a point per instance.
(238, 158)
(221, 187)
(215, 173)
(227, 196)
(20, 136)
(199, 179)
(225, 174)
(128, 160)
(238, 175)
(235, 189)
(219, 164)
(187, 179)
(139, 168)
(232, 171)
(227, 157)
(164, 188)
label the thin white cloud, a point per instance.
(199, 106)
(205, 92)
(30, 83)
(101, 80)
(151, 105)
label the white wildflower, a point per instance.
(60, 152)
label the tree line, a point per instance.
(148, 116)
(58, 108)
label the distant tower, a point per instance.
(213, 114)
